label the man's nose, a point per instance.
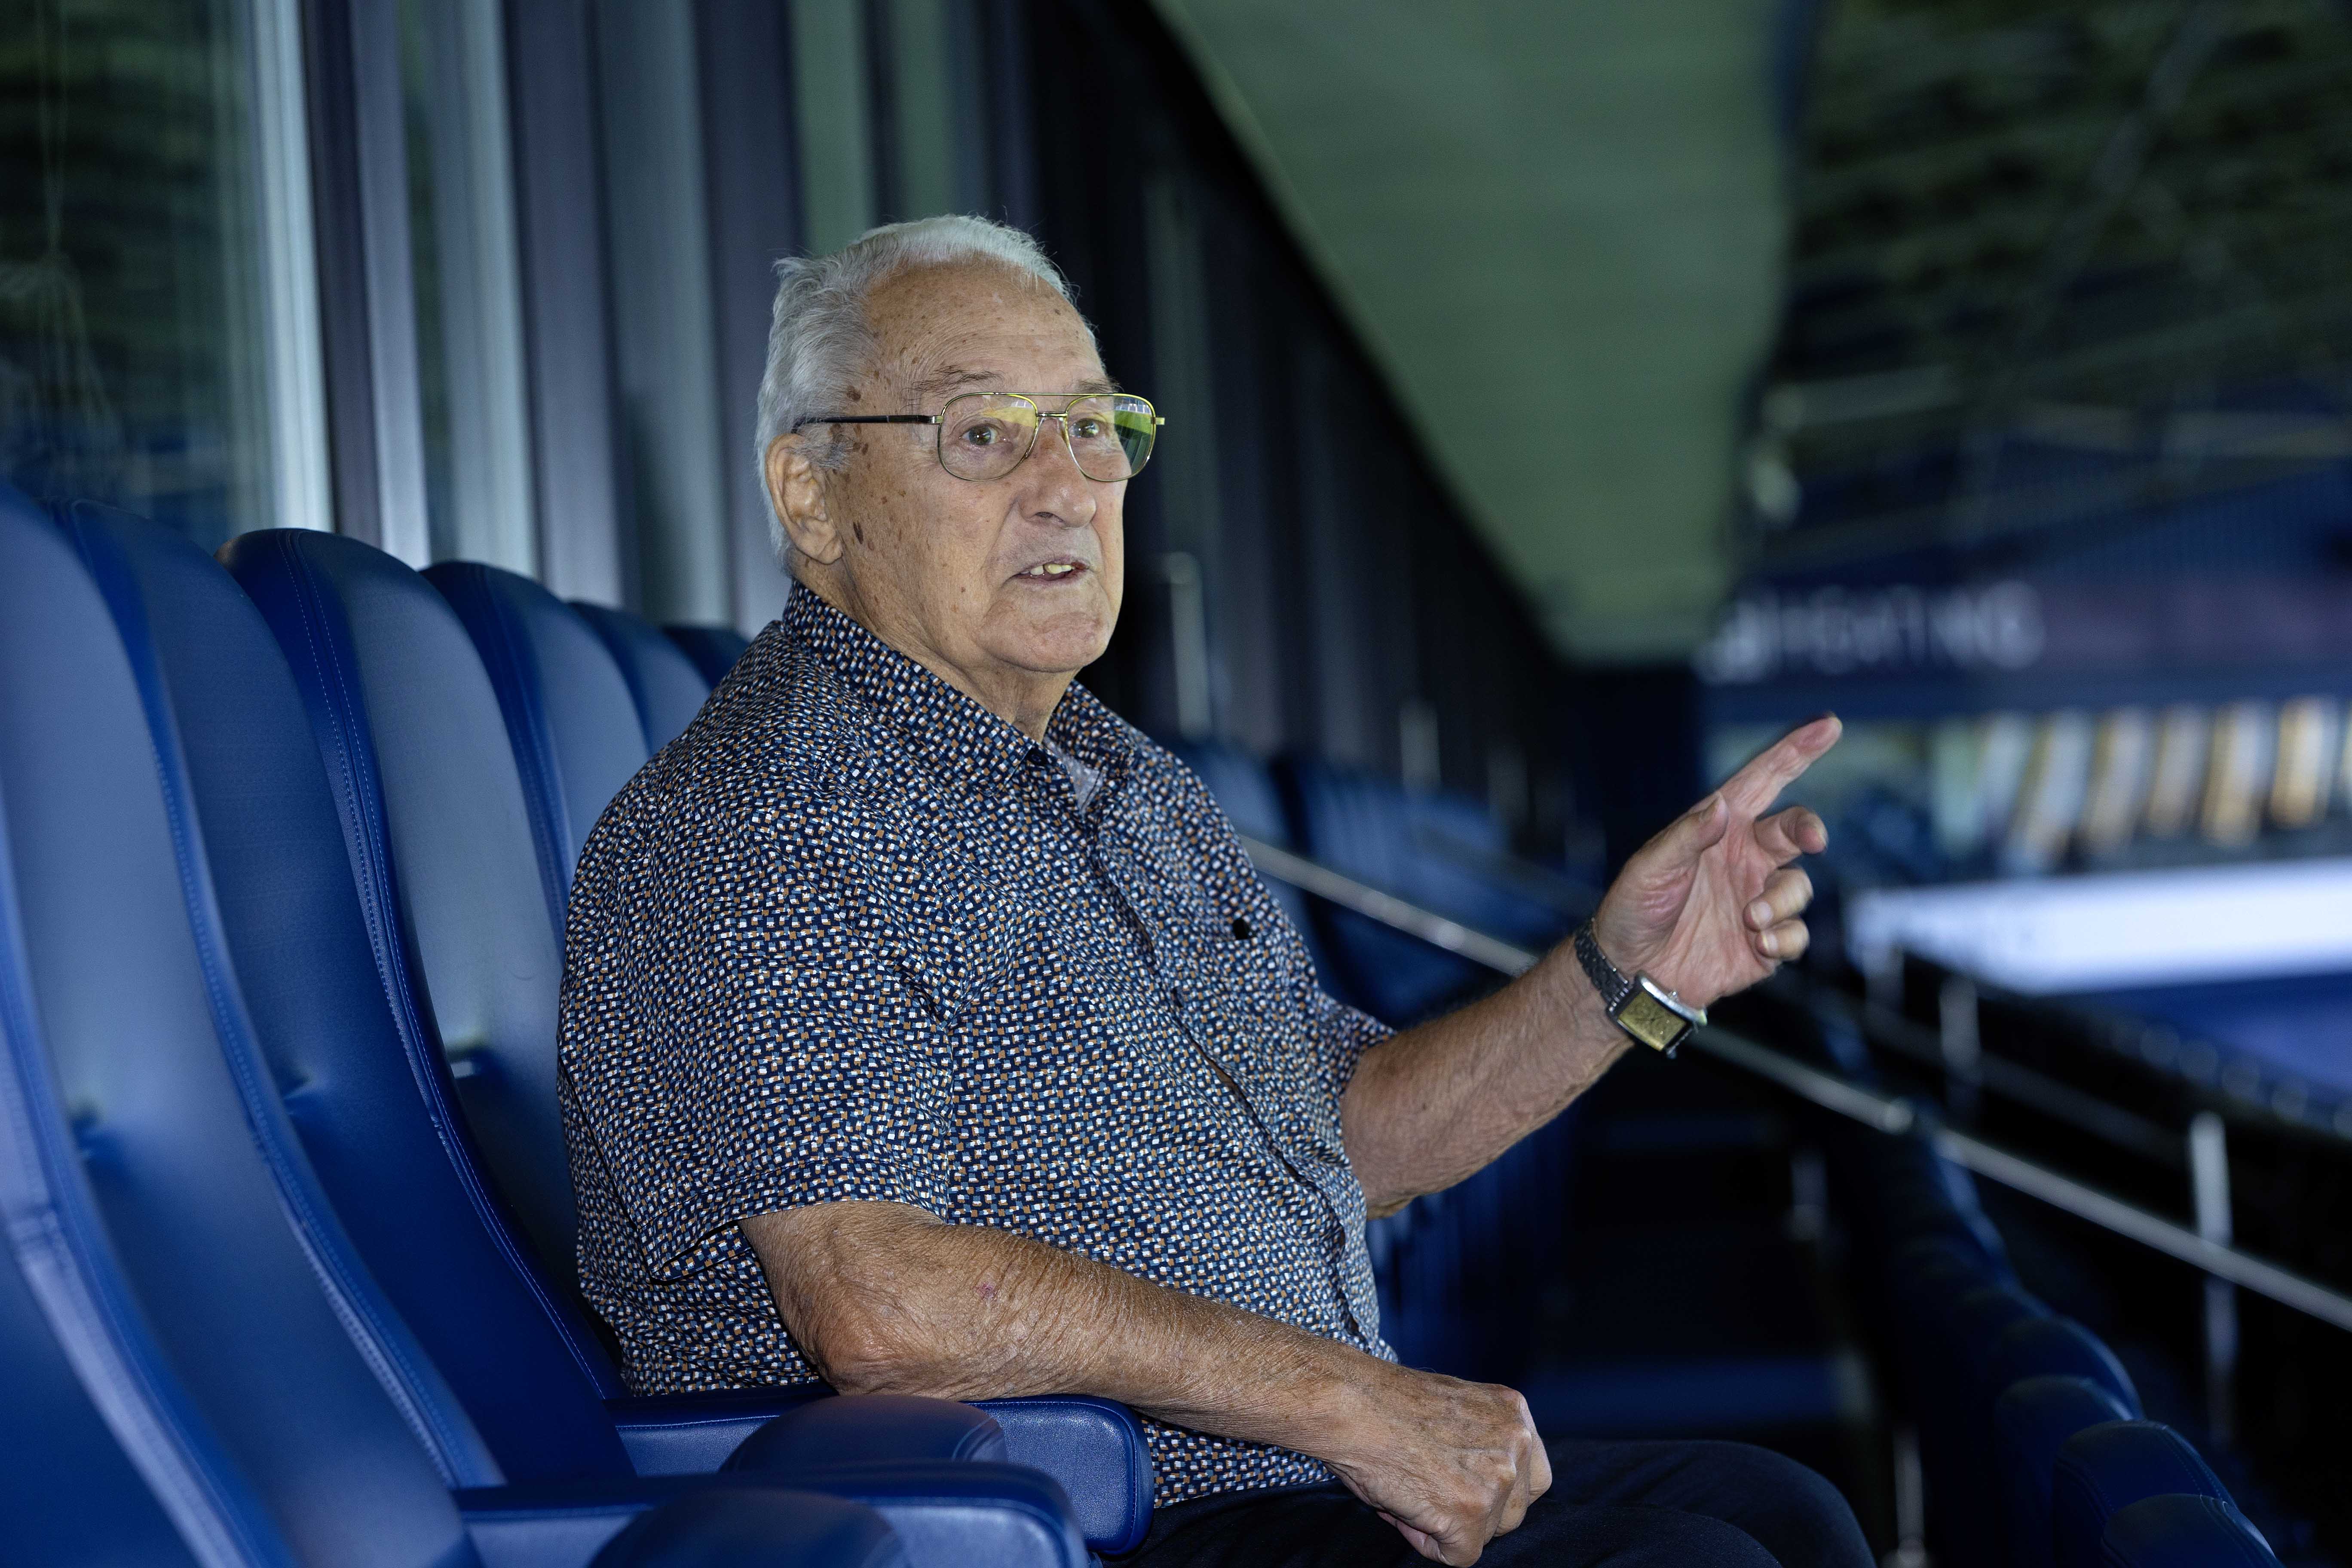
(1063, 492)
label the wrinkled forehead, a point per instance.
(978, 326)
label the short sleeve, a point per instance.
(767, 1051)
(1338, 1037)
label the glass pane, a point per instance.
(469, 355)
(830, 79)
(148, 342)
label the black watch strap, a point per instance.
(1652, 1014)
(1606, 978)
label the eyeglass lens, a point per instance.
(985, 434)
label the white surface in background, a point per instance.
(2119, 929)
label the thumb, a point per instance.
(1682, 841)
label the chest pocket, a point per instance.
(1246, 969)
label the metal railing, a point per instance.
(1857, 1102)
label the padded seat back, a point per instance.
(2031, 1421)
(2104, 1469)
(136, 1192)
(569, 716)
(666, 684)
(2183, 1531)
(69, 1493)
(713, 650)
(440, 838)
(526, 1366)
(2039, 1346)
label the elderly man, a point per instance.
(927, 1030)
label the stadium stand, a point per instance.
(287, 833)
(2027, 1424)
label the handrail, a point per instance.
(1856, 1102)
(2037, 1091)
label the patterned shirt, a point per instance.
(853, 936)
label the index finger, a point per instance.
(1758, 784)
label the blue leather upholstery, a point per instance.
(2031, 1421)
(750, 1529)
(2102, 1469)
(67, 1491)
(695, 1434)
(202, 1326)
(552, 674)
(949, 1514)
(291, 924)
(2183, 1532)
(2039, 1346)
(713, 650)
(434, 817)
(1094, 1447)
(872, 1428)
(665, 684)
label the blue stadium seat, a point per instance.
(2057, 1347)
(67, 1489)
(553, 677)
(713, 650)
(2104, 1469)
(372, 617)
(454, 873)
(2182, 1531)
(667, 687)
(265, 1392)
(2032, 1420)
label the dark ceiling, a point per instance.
(2054, 267)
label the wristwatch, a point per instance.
(1641, 1006)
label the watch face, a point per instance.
(1651, 1021)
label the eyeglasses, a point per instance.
(987, 435)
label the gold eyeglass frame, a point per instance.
(1034, 399)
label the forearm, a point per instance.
(1436, 1103)
(887, 1298)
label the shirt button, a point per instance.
(1176, 997)
(1035, 757)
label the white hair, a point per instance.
(818, 336)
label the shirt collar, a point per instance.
(954, 734)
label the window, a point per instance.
(158, 306)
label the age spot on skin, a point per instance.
(986, 1290)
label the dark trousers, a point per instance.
(1690, 1505)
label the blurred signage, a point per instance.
(1834, 631)
(2155, 625)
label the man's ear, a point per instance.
(796, 489)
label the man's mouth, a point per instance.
(1051, 569)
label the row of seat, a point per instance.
(289, 1269)
(2032, 1441)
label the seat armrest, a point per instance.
(867, 1428)
(1094, 1447)
(543, 1527)
(693, 1433)
(756, 1528)
(746, 1526)
(949, 1514)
